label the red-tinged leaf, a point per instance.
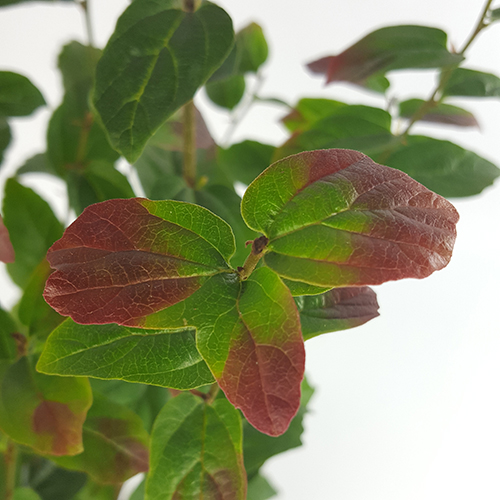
(6, 249)
(336, 218)
(44, 412)
(125, 259)
(249, 335)
(387, 49)
(337, 309)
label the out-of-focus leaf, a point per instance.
(5, 136)
(361, 128)
(166, 358)
(337, 309)
(38, 163)
(96, 491)
(12, 2)
(125, 259)
(25, 493)
(308, 111)
(259, 488)
(6, 249)
(226, 93)
(388, 49)
(44, 412)
(440, 113)
(443, 166)
(99, 181)
(196, 451)
(18, 96)
(163, 55)
(470, 83)
(33, 311)
(376, 83)
(115, 443)
(151, 403)
(494, 15)
(32, 226)
(249, 334)
(336, 218)
(8, 349)
(244, 161)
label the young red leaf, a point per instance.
(6, 248)
(338, 309)
(125, 259)
(336, 218)
(249, 335)
(387, 49)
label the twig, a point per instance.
(189, 148)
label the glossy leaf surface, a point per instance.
(441, 113)
(337, 309)
(32, 226)
(6, 248)
(470, 83)
(44, 412)
(159, 357)
(197, 452)
(388, 49)
(122, 260)
(249, 335)
(18, 96)
(336, 218)
(443, 166)
(115, 443)
(163, 55)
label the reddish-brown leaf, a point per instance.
(6, 249)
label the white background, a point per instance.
(407, 406)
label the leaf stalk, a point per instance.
(258, 250)
(10, 458)
(189, 140)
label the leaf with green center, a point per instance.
(122, 260)
(362, 128)
(443, 166)
(259, 488)
(226, 93)
(196, 451)
(167, 358)
(337, 309)
(470, 83)
(298, 288)
(249, 335)
(5, 137)
(32, 226)
(336, 218)
(6, 249)
(18, 96)
(440, 113)
(115, 444)
(46, 413)
(162, 56)
(388, 49)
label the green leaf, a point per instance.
(226, 93)
(440, 113)
(388, 49)
(5, 137)
(8, 349)
(167, 358)
(244, 161)
(443, 166)
(336, 218)
(308, 111)
(361, 128)
(298, 288)
(125, 259)
(376, 83)
(18, 96)
(95, 491)
(494, 15)
(52, 482)
(99, 181)
(46, 413)
(258, 447)
(39, 164)
(33, 311)
(140, 492)
(25, 494)
(259, 488)
(32, 226)
(470, 83)
(6, 249)
(196, 451)
(249, 335)
(337, 309)
(115, 444)
(162, 55)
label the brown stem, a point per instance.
(199, 394)
(10, 457)
(258, 249)
(84, 4)
(189, 133)
(434, 100)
